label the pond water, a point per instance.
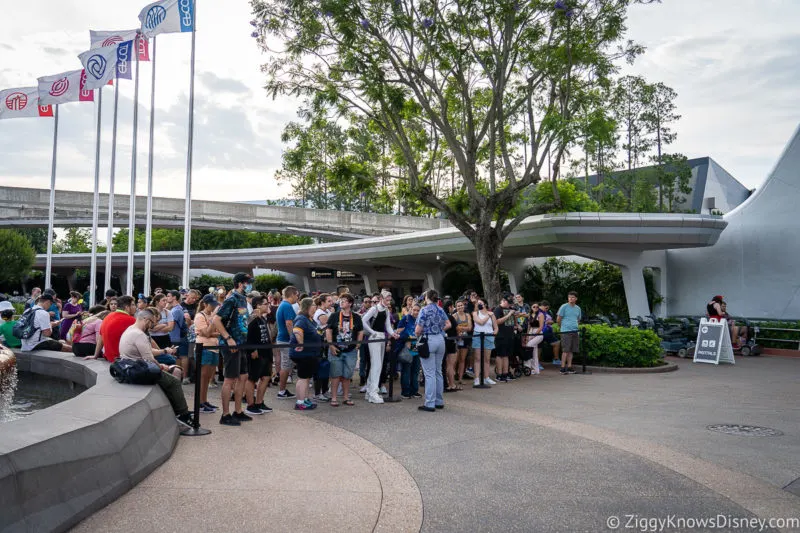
(35, 392)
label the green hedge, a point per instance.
(782, 324)
(621, 347)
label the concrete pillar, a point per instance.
(635, 290)
(433, 279)
(307, 283)
(72, 280)
(660, 283)
(370, 281)
(515, 268)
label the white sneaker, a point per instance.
(477, 381)
(490, 381)
(322, 398)
(374, 398)
(289, 380)
(186, 381)
(383, 391)
(363, 389)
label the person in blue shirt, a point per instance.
(305, 351)
(284, 319)
(569, 314)
(433, 322)
(409, 372)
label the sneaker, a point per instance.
(308, 402)
(541, 368)
(186, 381)
(477, 382)
(490, 381)
(303, 406)
(207, 409)
(289, 380)
(264, 408)
(570, 371)
(510, 377)
(383, 391)
(209, 404)
(500, 377)
(321, 397)
(253, 410)
(374, 398)
(276, 380)
(470, 373)
(406, 396)
(241, 417)
(363, 389)
(228, 420)
(557, 362)
(563, 371)
(185, 419)
(417, 395)
(285, 395)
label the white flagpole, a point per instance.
(187, 226)
(96, 201)
(51, 219)
(110, 233)
(148, 235)
(132, 216)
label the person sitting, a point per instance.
(135, 344)
(86, 344)
(41, 339)
(7, 326)
(112, 328)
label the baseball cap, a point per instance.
(209, 299)
(45, 296)
(6, 306)
(717, 298)
(241, 277)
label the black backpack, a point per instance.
(26, 325)
(135, 371)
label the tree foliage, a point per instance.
(164, 239)
(494, 86)
(17, 256)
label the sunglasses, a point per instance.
(376, 301)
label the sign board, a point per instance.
(713, 342)
(322, 274)
(343, 274)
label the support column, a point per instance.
(635, 290)
(515, 268)
(660, 283)
(370, 281)
(307, 283)
(72, 280)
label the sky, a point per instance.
(733, 64)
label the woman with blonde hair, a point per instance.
(378, 325)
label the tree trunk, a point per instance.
(488, 250)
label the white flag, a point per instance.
(167, 16)
(64, 87)
(100, 65)
(109, 38)
(22, 103)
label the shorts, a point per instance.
(550, 338)
(49, 344)
(306, 366)
(162, 341)
(343, 365)
(234, 363)
(209, 357)
(570, 342)
(259, 368)
(183, 348)
(504, 346)
(83, 349)
(450, 347)
(488, 342)
(165, 359)
(286, 361)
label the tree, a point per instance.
(573, 199)
(18, 256)
(659, 113)
(37, 237)
(628, 101)
(165, 239)
(492, 85)
(76, 241)
(674, 177)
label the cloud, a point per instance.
(56, 51)
(222, 85)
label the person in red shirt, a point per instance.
(114, 325)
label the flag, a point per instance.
(100, 65)
(124, 56)
(64, 87)
(99, 39)
(23, 103)
(167, 16)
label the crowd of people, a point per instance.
(248, 342)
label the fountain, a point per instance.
(8, 377)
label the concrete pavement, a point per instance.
(546, 453)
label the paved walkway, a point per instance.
(546, 453)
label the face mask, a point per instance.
(248, 287)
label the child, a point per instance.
(7, 326)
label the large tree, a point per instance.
(18, 256)
(492, 84)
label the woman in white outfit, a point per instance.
(377, 325)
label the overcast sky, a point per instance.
(734, 65)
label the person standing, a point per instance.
(231, 323)
(345, 331)
(378, 325)
(285, 322)
(484, 323)
(207, 338)
(505, 318)
(69, 312)
(409, 372)
(259, 367)
(569, 314)
(305, 349)
(433, 322)
(179, 334)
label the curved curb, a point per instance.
(668, 367)
(763, 500)
(401, 500)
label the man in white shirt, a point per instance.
(43, 329)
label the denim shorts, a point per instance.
(210, 357)
(343, 365)
(488, 342)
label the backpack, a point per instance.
(135, 371)
(26, 325)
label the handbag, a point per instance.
(422, 347)
(405, 356)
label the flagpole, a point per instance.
(132, 216)
(148, 234)
(96, 201)
(110, 233)
(187, 226)
(52, 213)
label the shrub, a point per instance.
(202, 283)
(621, 347)
(265, 282)
(783, 335)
